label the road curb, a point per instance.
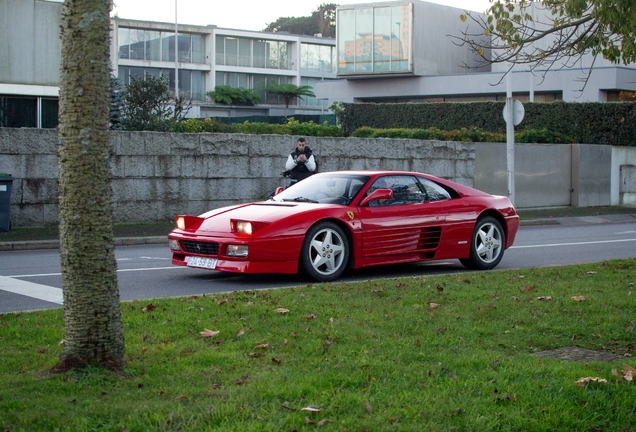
(55, 244)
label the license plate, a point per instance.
(208, 263)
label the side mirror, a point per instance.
(278, 190)
(377, 194)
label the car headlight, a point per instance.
(236, 250)
(244, 227)
(174, 245)
(180, 222)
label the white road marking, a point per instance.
(573, 244)
(30, 289)
(45, 292)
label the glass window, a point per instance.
(272, 54)
(382, 39)
(434, 192)
(260, 53)
(220, 50)
(308, 100)
(258, 85)
(406, 190)
(245, 52)
(374, 39)
(310, 57)
(284, 49)
(400, 39)
(231, 51)
(123, 41)
(185, 82)
(167, 47)
(364, 40)
(50, 110)
(153, 45)
(185, 45)
(326, 60)
(346, 40)
(198, 49)
(137, 73)
(198, 85)
(124, 75)
(137, 44)
(272, 98)
(18, 111)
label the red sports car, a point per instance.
(350, 219)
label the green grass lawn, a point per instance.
(440, 353)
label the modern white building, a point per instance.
(398, 51)
(206, 56)
(404, 51)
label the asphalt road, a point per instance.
(31, 280)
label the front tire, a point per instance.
(487, 245)
(325, 252)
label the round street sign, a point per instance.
(518, 111)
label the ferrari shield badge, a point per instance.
(350, 214)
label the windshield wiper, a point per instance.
(302, 199)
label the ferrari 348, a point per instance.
(349, 219)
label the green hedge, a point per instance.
(291, 127)
(588, 123)
(542, 136)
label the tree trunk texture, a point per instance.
(92, 314)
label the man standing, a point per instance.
(301, 162)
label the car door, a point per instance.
(405, 224)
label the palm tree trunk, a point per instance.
(92, 314)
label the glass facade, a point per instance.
(374, 40)
(135, 44)
(191, 83)
(256, 82)
(317, 58)
(257, 53)
(28, 111)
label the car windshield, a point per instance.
(324, 189)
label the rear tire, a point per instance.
(325, 252)
(487, 245)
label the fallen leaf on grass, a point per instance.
(240, 332)
(581, 382)
(209, 333)
(627, 373)
(180, 398)
(544, 298)
(368, 407)
(281, 310)
(323, 422)
(307, 421)
(311, 408)
(276, 361)
(310, 317)
(578, 298)
(591, 272)
(432, 305)
(221, 302)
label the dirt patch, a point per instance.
(579, 354)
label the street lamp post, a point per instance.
(176, 53)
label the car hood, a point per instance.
(217, 222)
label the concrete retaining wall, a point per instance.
(158, 175)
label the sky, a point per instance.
(242, 14)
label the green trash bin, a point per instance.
(5, 201)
